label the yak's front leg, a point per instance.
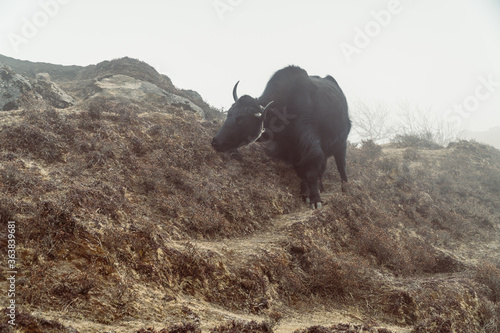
(313, 173)
(311, 166)
(314, 197)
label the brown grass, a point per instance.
(108, 198)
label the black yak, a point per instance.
(304, 119)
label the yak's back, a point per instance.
(285, 85)
(304, 100)
(294, 88)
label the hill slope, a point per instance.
(127, 220)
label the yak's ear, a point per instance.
(258, 115)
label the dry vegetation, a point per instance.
(128, 221)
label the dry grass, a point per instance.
(343, 328)
(107, 198)
(105, 187)
(34, 324)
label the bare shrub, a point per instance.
(7, 211)
(243, 327)
(423, 140)
(343, 328)
(411, 154)
(370, 149)
(174, 328)
(31, 139)
(489, 275)
(29, 323)
(490, 316)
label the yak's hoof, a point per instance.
(317, 205)
(344, 187)
(307, 200)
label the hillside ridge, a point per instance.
(79, 81)
(128, 221)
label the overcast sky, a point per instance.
(440, 55)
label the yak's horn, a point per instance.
(235, 94)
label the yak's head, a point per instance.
(244, 123)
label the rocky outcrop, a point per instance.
(14, 89)
(44, 81)
(124, 87)
(53, 94)
(158, 86)
(17, 92)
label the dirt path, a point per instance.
(267, 239)
(271, 237)
(238, 251)
(209, 315)
(243, 248)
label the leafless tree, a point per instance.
(372, 121)
(379, 122)
(425, 123)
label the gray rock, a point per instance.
(43, 77)
(17, 92)
(53, 94)
(126, 87)
(12, 88)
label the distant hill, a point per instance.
(491, 137)
(80, 82)
(30, 69)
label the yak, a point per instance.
(303, 119)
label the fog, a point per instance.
(440, 58)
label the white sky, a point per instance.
(433, 54)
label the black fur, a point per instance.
(307, 123)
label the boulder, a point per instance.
(124, 87)
(14, 89)
(17, 92)
(52, 93)
(43, 76)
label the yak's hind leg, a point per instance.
(339, 156)
(320, 180)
